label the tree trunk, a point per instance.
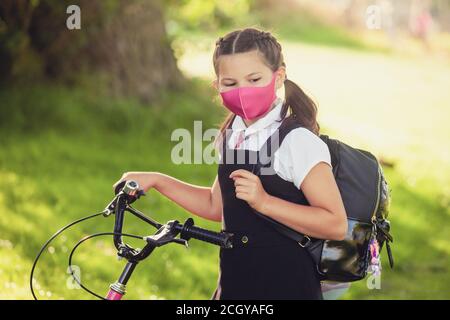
(135, 50)
(125, 40)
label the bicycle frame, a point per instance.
(118, 289)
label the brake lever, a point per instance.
(165, 235)
(158, 243)
(182, 242)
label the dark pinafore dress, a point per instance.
(263, 263)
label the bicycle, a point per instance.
(125, 194)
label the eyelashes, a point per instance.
(252, 80)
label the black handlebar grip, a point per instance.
(188, 230)
(221, 239)
(119, 187)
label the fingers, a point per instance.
(242, 189)
(242, 196)
(243, 182)
(245, 193)
(247, 185)
(243, 174)
(115, 184)
(122, 178)
(118, 182)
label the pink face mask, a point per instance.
(250, 102)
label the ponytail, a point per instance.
(303, 108)
(225, 124)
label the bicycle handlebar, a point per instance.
(188, 230)
(128, 192)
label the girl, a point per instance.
(301, 193)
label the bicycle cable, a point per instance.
(85, 239)
(57, 233)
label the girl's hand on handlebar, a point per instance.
(146, 180)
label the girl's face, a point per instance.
(245, 70)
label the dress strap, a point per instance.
(273, 143)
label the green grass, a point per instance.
(307, 29)
(63, 148)
(56, 169)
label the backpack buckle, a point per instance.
(302, 242)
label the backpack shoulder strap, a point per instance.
(333, 146)
(274, 142)
(264, 158)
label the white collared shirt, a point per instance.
(299, 152)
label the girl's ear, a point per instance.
(281, 76)
(215, 84)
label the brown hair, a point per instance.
(302, 108)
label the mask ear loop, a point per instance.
(279, 73)
(284, 81)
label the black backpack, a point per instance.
(366, 198)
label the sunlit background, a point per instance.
(80, 107)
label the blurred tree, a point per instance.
(15, 53)
(211, 15)
(125, 40)
(441, 9)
